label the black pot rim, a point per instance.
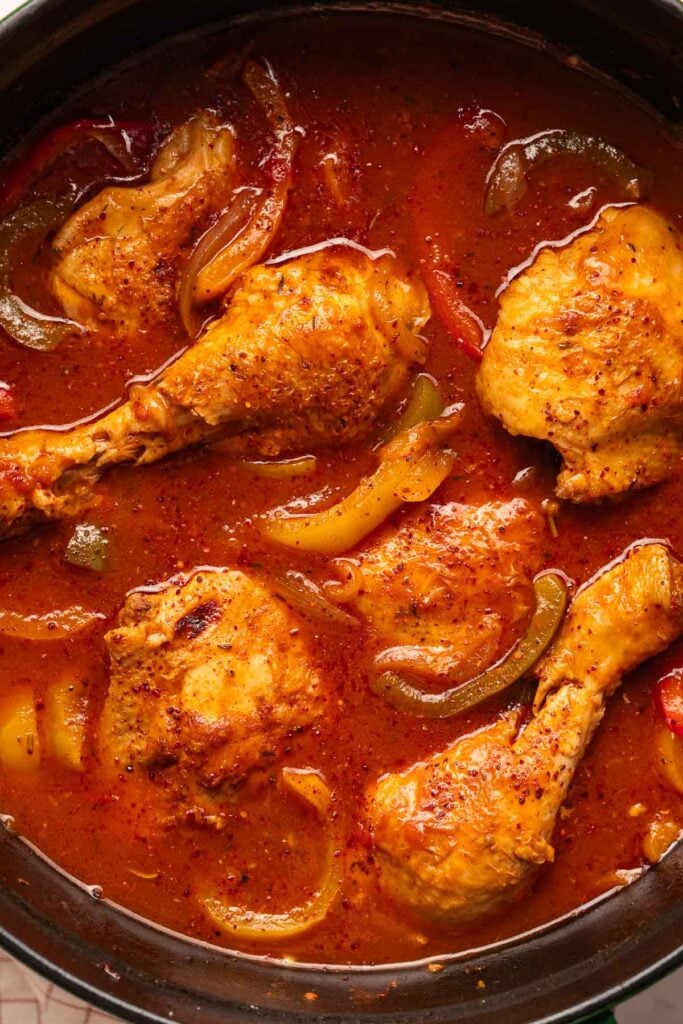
(585, 1010)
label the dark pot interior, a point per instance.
(567, 971)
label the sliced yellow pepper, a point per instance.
(425, 403)
(412, 465)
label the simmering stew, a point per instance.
(340, 490)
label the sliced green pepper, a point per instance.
(88, 548)
(507, 180)
(551, 601)
(425, 403)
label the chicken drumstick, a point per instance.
(464, 832)
(307, 354)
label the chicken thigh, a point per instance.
(308, 353)
(444, 590)
(209, 674)
(462, 833)
(117, 255)
(588, 353)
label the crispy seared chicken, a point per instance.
(307, 354)
(443, 590)
(588, 353)
(210, 675)
(462, 833)
(117, 256)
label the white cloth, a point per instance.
(26, 998)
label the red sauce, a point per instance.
(382, 88)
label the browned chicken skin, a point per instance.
(209, 676)
(307, 354)
(117, 255)
(464, 832)
(588, 353)
(443, 590)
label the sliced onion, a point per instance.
(25, 325)
(281, 469)
(343, 591)
(221, 234)
(310, 786)
(259, 926)
(506, 182)
(307, 597)
(229, 259)
(56, 625)
(335, 169)
(438, 662)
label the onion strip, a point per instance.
(551, 601)
(342, 591)
(226, 251)
(305, 596)
(220, 235)
(258, 926)
(281, 469)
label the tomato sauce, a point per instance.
(377, 91)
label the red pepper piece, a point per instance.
(668, 697)
(470, 133)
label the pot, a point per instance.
(570, 970)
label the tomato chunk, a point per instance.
(475, 133)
